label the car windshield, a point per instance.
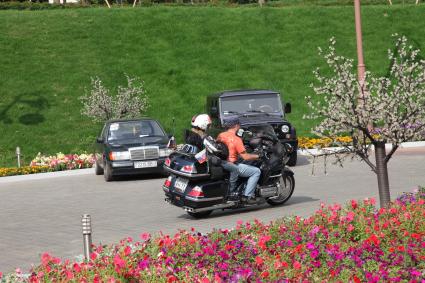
(134, 130)
(256, 103)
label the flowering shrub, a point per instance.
(62, 161)
(23, 170)
(355, 243)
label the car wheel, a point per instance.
(107, 173)
(97, 169)
(293, 159)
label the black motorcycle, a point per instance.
(198, 184)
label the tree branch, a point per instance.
(390, 154)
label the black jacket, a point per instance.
(194, 139)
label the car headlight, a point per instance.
(285, 129)
(164, 152)
(119, 155)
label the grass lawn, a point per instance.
(182, 53)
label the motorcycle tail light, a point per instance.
(167, 182)
(188, 169)
(167, 161)
(196, 192)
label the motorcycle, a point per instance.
(198, 184)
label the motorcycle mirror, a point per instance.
(240, 132)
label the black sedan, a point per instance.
(131, 147)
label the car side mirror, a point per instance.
(288, 108)
(214, 112)
(99, 140)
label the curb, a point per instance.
(48, 175)
(388, 146)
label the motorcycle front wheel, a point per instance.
(288, 185)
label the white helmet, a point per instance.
(201, 121)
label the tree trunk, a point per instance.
(382, 174)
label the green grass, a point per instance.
(182, 53)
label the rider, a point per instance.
(237, 151)
(197, 133)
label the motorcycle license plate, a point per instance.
(145, 164)
(181, 184)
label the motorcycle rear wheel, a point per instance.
(198, 215)
(288, 183)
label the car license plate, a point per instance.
(145, 164)
(181, 184)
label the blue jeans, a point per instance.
(242, 170)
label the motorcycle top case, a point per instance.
(188, 165)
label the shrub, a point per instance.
(129, 102)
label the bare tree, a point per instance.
(394, 105)
(129, 102)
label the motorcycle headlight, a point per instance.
(285, 129)
(164, 152)
(119, 155)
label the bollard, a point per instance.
(18, 155)
(87, 242)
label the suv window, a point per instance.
(265, 103)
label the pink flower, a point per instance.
(118, 262)
(297, 265)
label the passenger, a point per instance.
(195, 136)
(237, 151)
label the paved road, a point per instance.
(44, 215)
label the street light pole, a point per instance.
(360, 66)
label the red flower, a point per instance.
(118, 262)
(127, 251)
(354, 204)
(259, 260)
(400, 248)
(171, 278)
(373, 239)
(356, 279)
(265, 274)
(297, 265)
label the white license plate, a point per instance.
(145, 164)
(181, 184)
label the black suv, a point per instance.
(253, 107)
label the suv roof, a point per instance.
(230, 93)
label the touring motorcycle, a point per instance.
(198, 184)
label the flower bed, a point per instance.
(58, 162)
(62, 161)
(305, 142)
(23, 170)
(357, 243)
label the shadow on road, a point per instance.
(126, 178)
(222, 213)
(302, 160)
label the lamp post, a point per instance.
(360, 63)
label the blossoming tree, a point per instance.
(129, 102)
(382, 110)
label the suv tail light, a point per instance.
(196, 192)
